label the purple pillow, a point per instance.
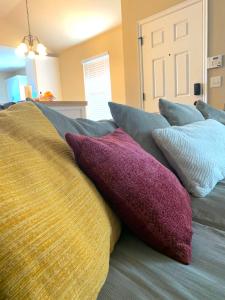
(146, 195)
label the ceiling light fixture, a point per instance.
(30, 45)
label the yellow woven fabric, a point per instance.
(56, 232)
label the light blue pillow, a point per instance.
(196, 152)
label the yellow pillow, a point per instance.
(56, 232)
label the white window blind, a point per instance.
(97, 87)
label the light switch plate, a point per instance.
(215, 82)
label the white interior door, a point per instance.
(172, 55)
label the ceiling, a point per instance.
(11, 61)
(7, 6)
(60, 24)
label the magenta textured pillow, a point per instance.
(146, 195)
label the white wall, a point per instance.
(43, 75)
(32, 76)
(48, 76)
(3, 89)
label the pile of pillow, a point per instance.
(134, 178)
(139, 185)
(56, 230)
(181, 139)
(195, 147)
(151, 199)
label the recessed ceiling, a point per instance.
(10, 61)
(62, 23)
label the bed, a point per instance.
(138, 272)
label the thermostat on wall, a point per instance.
(215, 62)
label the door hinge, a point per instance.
(141, 39)
(143, 97)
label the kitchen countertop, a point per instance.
(64, 103)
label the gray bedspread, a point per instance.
(138, 272)
(211, 209)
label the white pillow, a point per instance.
(196, 152)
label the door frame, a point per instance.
(164, 13)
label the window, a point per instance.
(97, 87)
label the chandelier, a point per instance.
(30, 45)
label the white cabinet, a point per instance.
(43, 75)
(15, 88)
(71, 109)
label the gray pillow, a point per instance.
(179, 114)
(6, 105)
(196, 152)
(64, 124)
(211, 113)
(139, 125)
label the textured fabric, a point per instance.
(210, 210)
(147, 196)
(139, 273)
(210, 112)
(197, 153)
(64, 124)
(179, 114)
(55, 229)
(139, 125)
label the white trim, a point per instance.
(94, 57)
(141, 70)
(164, 13)
(205, 50)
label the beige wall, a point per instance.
(216, 96)
(72, 72)
(135, 10)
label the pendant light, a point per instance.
(30, 45)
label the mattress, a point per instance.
(139, 272)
